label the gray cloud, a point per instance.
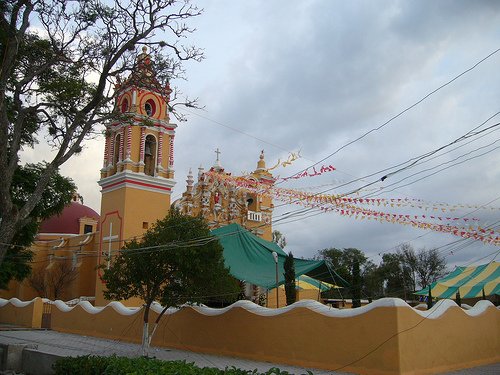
(315, 75)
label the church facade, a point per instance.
(221, 203)
(136, 181)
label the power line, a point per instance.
(403, 111)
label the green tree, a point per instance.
(342, 261)
(431, 266)
(458, 299)
(409, 263)
(373, 282)
(290, 290)
(397, 283)
(45, 86)
(356, 284)
(55, 197)
(176, 262)
(407, 270)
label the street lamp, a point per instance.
(275, 256)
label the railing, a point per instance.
(46, 315)
(254, 216)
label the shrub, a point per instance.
(94, 365)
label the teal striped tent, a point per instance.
(471, 281)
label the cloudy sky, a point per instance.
(312, 76)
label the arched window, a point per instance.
(251, 202)
(150, 107)
(124, 105)
(116, 156)
(149, 155)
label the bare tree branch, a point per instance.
(45, 83)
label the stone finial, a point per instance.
(261, 164)
(190, 179)
(201, 170)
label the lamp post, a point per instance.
(275, 256)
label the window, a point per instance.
(149, 155)
(125, 105)
(150, 107)
(87, 228)
(145, 225)
(251, 202)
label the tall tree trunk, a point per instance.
(7, 233)
(145, 330)
(156, 324)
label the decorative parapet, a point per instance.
(384, 337)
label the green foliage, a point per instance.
(45, 86)
(54, 198)
(398, 275)
(356, 284)
(397, 281)
(290, 291)
(15, 265)
(57, 195)
(429, 299)
(177, 261)
(407, 270)
(342, 261)
(458, 299)
(94, 365)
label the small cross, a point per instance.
(217, 152)
(110, 239)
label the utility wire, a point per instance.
(403, 111)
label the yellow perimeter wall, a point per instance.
(380, 340)
(24, 314)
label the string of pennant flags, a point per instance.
(435, 217)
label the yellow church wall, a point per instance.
(25, 314)
(378, 340)
(132, 212)
(48, 251)
(308, 294)
(305, 294)
(23, 290)
(266, 228)
(132, 208)
(271, 298)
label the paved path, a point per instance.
(74, 345)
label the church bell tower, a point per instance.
(137, 176)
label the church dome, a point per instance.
(76, 218)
